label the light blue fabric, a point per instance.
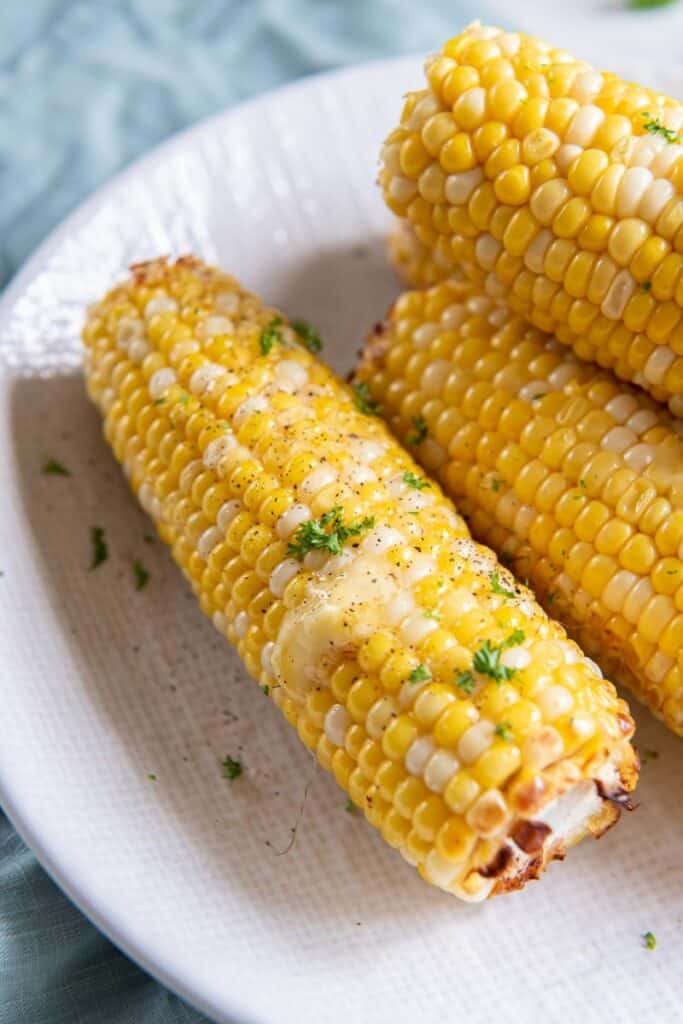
(84, 88)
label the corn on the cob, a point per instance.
(415, 264)
(475, 736)
(575, 477)
(564, 186)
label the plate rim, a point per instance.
(115, 929)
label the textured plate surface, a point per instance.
(102, 686)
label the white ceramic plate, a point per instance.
(102, 686)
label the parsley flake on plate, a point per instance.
(100, 551)
(141, 575)
(231, 769)
(54, 468)
(419, 674)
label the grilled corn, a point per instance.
(562, 186)
(473, 734)
(575, 478)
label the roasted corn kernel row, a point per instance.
(563, 185)
(475, 736)
(574, 478)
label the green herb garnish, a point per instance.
(152, 776)
(266, 690)
(465, 681)
(350, 806)
(649, 941)
(551, 597)
(141, 575)
(415, 481)
(54, 468)
(646, 286)
(420, 432)
(419, 674)
(517, 637)
(502, 729)
(498, 588)
(329, 533)
(487, 661)
(655, 127)
(496, 484)
(231, 769)
(308, 335)
(363, 399)
(100, 551)
(649, 755)
(270, 334)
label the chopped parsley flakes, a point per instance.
(350, 806)
(646, 285)
(655, 127)
(54, 468)
(487, 661)
(415, 481)
(649, 941)
(270, 334)
(498, 588)
(100, 551)
(502, 729)
(141, 575)
(363, 400)
(649, 755)
(419, 674)
(329, 533)
(307, 335)
(266, 690)
(465, 681)
(420, 431)
(231, 769)
(550, 598)
(152, 777)
(496, 484)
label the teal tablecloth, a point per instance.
(84, 88)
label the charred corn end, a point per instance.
(575, 477)
(563, 186)
(355, 599)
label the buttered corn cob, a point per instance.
(474, 735)
(562, 187)
(576, 478)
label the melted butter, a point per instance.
(339, 612)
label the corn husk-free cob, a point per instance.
(575, 478)
(415, 264)
(562, 187)
(475, 736)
